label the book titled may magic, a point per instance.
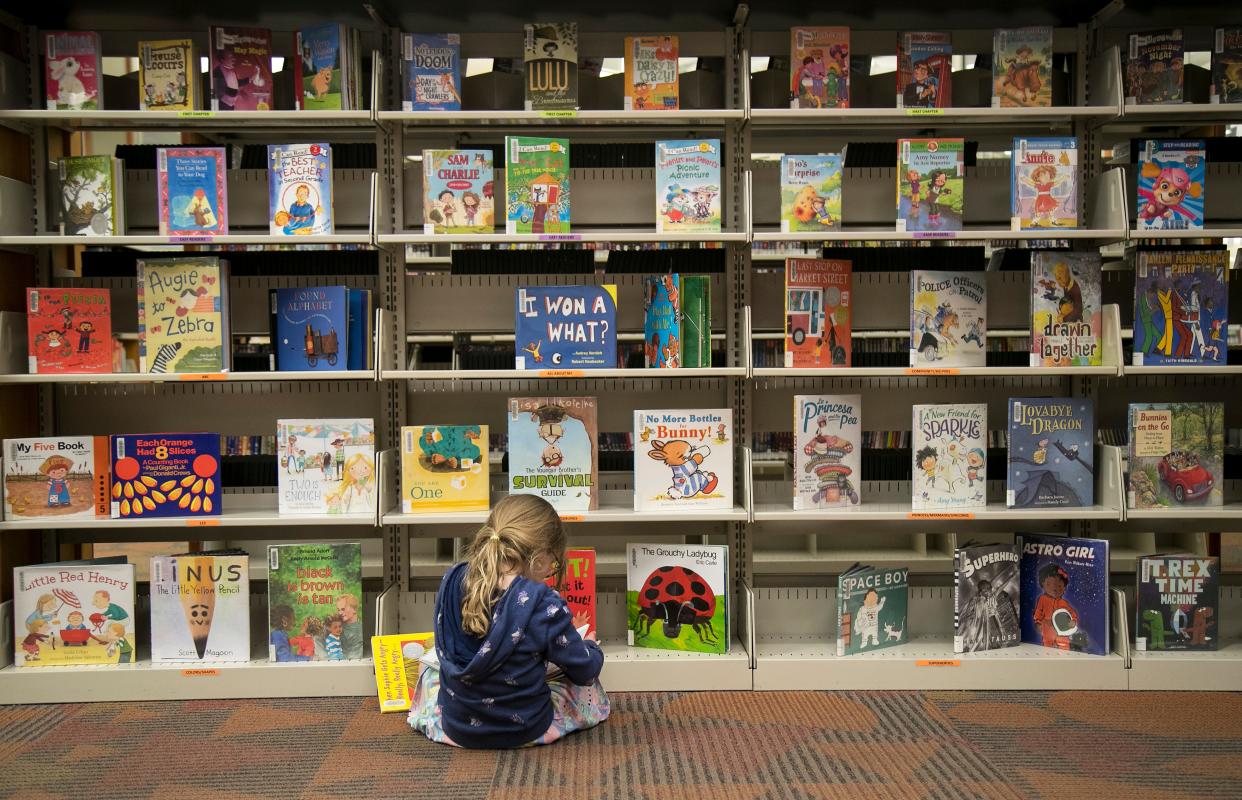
(566, 327)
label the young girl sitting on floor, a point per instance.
(498, 629)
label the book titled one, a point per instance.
(1154, 66)
(688, 186)
(168, 75)
(871, 609)
(444, 468)
(1051, 452)
(651, 73)
(200, 607)
(72, 77)
(537, 185)
(677, 597)
(92, 192)
(950, 457)
(577, 585)
(183, 321)
(1065, 309)
(827, 456)
(550, 53)
(69, 331)
(1226, 65)
(554, 450)
(986, 597)
(683, 459)
(819, 65)
(930, 184)
(56, 478)
(312, 328)
(1171, 179)
(924, 70)
(1176, 455)
(811, 193)
(165, 475)
(326, 466)
(241, 69)
(458, 191)
(1022, 67)
(1044, 189)
(566, 327)
(314, 602)
(74, 613)
(948, 319)
(193, 187)
(1065, 593)
(1178, 602)
(321, 69)
(432, 71)
(300, 189)
(398, 666)
(817, 312)
(1181, 308)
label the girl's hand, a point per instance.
(590, 637)
(581, 618)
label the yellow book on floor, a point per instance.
(397, 667)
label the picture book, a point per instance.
(165, 475)
(924, 70)
(1022, 67)
(241, 69)
(688, 186)
(677, 597)
(986, 597)
(432, 64)
(326, 466)
(1172, 177)
(1044, 189)
(819, 63)
(1154, 67)
(361, 349)
(314, 602)
(683, 459)
(1051, 452)
(554, 452)
(1177, 603)
(817, 312)
(949, 443)
(78, 612)
(444, 468)
(1176, 455)
(536, 185)
(193, 186)
(69, 331)
(651, 74)
(92, 192)
(458, 189)
(398, 666)
(200, 607)
(1181, 307)
(577, 587)
(183, 321)
(320, 73)
(930, 184)
(827, 451)
(871, 609)
(811, 193)
(551, 56)
(1065, 593)
(71, 79)
(677, 324)
(1065, 309)
(55, 478)
(299, 189)
(168, 75)
(948, 319)
(566, 327)
(1226, 65)
(312, 328)
(695, 298)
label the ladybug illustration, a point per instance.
(676, 596)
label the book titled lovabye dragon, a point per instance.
(924, 70)
(1065, 593)
(683, 459)
(677, 597)
(930, 184)
(326, 466)
(1177, 602)
(165, 475)
(819, 63)
(1181, 308)
(168, 76)
(1176, 455)
(1022, 67)
(1051, 452)
(810, 193)
(827, 456)
(241, 69)
(1044, 191)
(817, 312)
(77, 612)
(200, 607)
(432, 64)
(71, 79)
(554, 450)
(314, 602)
(536, 185)
(1154, 65)
(871, 609)
(1227, 65)
(688, 186)
(1065, 309)
(566, 327)
(950, 457)
(183, 321)
(444, 468)
(677, 322)
(193, 187)
(299, 189)
(551, 57)
(69, 331)
(986, 597)
(651, 74)
(55, 478)
(458, 191)
(948, 319)
(1172, 177)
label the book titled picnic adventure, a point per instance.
(1065, 593)
(811, 193)
(1181, 308)
(817, 312)
(827, 455)
(1065, 309)
(72, 79)
(458, 189)
(819, 65)
(924, 70)
(241, 69)
(688, 186)
(92, 195)
(312, 328)
(69, 331)
(551, 56)
(536, 185)
(326, 466)
(1227, 65)
(986, 597)
(683, 459)
(554, 450)
(76, 612)
(1022, 67)
(1154, 65)
(930, 184)
(948, 319)
(183, 320)
(1044, 191)
(677, 321)
(651, 73)
(398, 665)
(299, 192)
(577, 586)
(432, 64)
(314, 602)
(56, 478)
(677, 597)
(193, 191)
(1178, 602)
(565, 327)
(1051, 452)
(871, 609)
(1172, 175)
(444, 468)
(168, 76)
(200, 607)
(165, 475)
(1176, 455)
(950, 457)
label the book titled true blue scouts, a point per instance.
(566, 327)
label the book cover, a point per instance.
(361, 329)
(55, 478)
(183, 315)
(1178, 603)
(444, 468)
(986, 597)
(432, 64)
(326, 466)
(91, 188)
(1181, 308)
(165, 475)
(320, 82)
(948, 319)
(1065, 309)
(458, 191)
(811, 193)
(683, 459)
(299, 189)
(924, 70)
(551, 56)
(662, 317)
(651, 74)
(398, 667)
(537, 185)
(677, 597)
(695, 296)
(314, 602)
(871, 609)
(554, 450)
(688, 186)
(1227, 65)
(930, 184)
(193, 186)
(1051, 452)
(1172, 177)
(566, 327)
(73, 613)
(949, 444)
(312, 328)
(167, 75)
(827, 451)
(1022, 67)
(71, 77)
(577, 586)
(1065, 593)
(817, 312)
(1176, 455)
(241, 69)
(819, 63)
(69, 331)
(1044, 188)
(200, 607)
(1154, 67)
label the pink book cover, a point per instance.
(71, 70)
(193, 185)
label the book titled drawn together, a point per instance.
(986, 597)
(683, 459)
(1065, 309)
(950, 462)
(1051, 444)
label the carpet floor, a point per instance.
(728, 745)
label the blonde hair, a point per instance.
(520, 528)
(347, 478)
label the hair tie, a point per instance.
(495, 537)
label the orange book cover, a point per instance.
(817, 312)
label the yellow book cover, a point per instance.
(182, 324)
(444, 468)
(651, 75)
(396, 663)
(168, 75)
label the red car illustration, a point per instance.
(1182, 472)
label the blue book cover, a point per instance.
(1171, 184)
(662, 321)
(1181, 308)
(1065, 593)
(299, 189)
(193, 186)
(319, 77)
(1051, 452)
(432, 64)
(165, 475)
(359, 328)
(566, 327)
(312, 328)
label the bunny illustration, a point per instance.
(69, 89)
(685, 459)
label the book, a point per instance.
(183, 320)
(817, 312)
(827, 451)
(677, 324)
(871, 609)
(651, 73)
(577, 585)
(1171, 184)
(321, 72)
(168, 76)
(69, 331)
(930, 184)
(312, 328)
(431, 64)
(1226, 65)
(444, 468)
(550, 53)
(92, 195)
(677, 597)
(811, 193)
(986, 597)
(71, 79)
(200, 607)
(193, 187)
(1051, 452)
(819, 63)
(241, 69)
(458, 191)
(1178, 603)
(1065, 593)
(326, 466)
(695, 296)
(565, 327)
(1066, 312)
(924, 70)
(398, 667)
(688, 186)
(536, 185)
(165, 475)
(1044, 188)
(1181, 308)
(1022, 67)
(949, 444)
(361, 329)
(55, 478)
(554, 452)
(314, 602)
(300, 189)
(948, 319)
(1176, 455)
(1154, 66)
(683, 460)
(76, 612)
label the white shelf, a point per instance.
(906, 118)
(215, 377)
(614, 507)
(877, 512)
(609, 235)
(131, 119)
(1188, 512)
(849, 373)
(1185, 113)
(57, 240)
(644, 669)
(1183, 369)
(1182, 670)
(585, 374)
(890, 234)
(1206, 232)
(238, 510)
(560, 119)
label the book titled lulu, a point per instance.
(554, 450)
(193, 186)
(551, 58)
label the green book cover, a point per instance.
(678, 597)
(696, 321)
(536, 185)
(871, 609)
(314, 595)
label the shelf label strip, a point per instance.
(561, 373)
(203, 522)
(940, 515)
(572, 518)
(200, 673)
(937, 662)
(933, 371)
(203, 376)
(935, 234)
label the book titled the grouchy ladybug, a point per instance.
(678, 597)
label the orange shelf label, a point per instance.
(933, 371)
(203, 376)
(937, 662)
(940, 515)
(572, 518)
(560, 373)
(199, 673)
(203, 522)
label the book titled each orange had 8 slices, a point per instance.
(165, 475)
(444, 468)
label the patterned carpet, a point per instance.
(733, 746)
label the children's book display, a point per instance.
(566, 327)
(168, 76)
(678, 597)
(819, 63)
(677, 322)
(165, 475)
(554, 450)
(183, 320)
(299, 189)
(193, 187)
(871, 609)
(827, 451)
(56, 478)
(688, 186)
(312, 328)
(551, 56)
(200, 607)
(1065, 593)
(1172, 177)
(817, 312)
(930, 184)
(398, 665)
(326, 466)
(432, 77)
(1022, 67)
(92, 195)
(458, 191)
(577, 588)
(1181, 308)
(1176, 455)
(241, 69)
(1044, 192)
(327, 73)
(1051, 452)
(1178, 602)
(683, 459)
(72, 79)
(651, 73)
(948, 319)
(924, 70)
(986, 597)
(75, 612)
(69, 331)
(1154, 67)
(950, 457)
(1227, 65)
(444, 468)
(536, 185)
(1065, 309)
(811, 193)
(314, 602)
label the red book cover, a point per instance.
(71, 70)
(241, 69)
(578, 589)
(69, 331)
(817, 312)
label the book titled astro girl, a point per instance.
(299, 189)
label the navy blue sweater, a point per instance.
(493, 690)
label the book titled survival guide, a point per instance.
(683, 459)
(677, 597)
(200, 607)
(554, 450)
(183, 321)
